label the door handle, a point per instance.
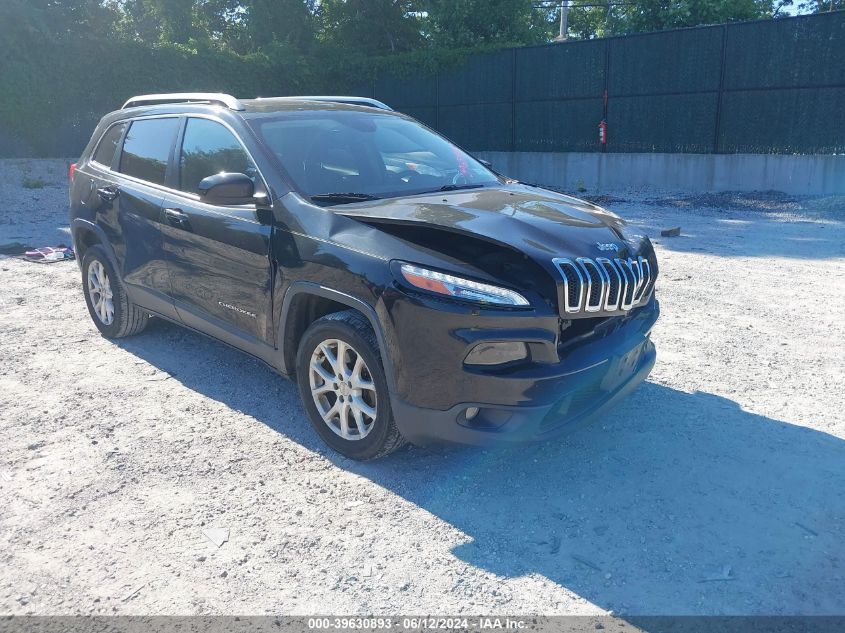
(175, 215)
(108, 193)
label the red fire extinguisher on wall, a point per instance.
(603, 132)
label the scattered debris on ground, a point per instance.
(49, 254)
(217, 536)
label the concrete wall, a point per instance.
(799, 175)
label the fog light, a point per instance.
(485, 419)
(496, 353)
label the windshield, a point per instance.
(365, 155)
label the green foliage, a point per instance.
(371, 26)
(469, 23)
(655, 15)
(59, 17)
(600, 18)
(165, 21)
(269, 22)
(55, 94)
(820, 6)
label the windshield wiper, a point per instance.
(343, 197)
(457, 187)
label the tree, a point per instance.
(221, 22)
(158, 21)
(653, 15)
(55, 17)
(600, 18)
(820, 6)
(588, 19)
(468, 23)
(276, 21)
(371, 26)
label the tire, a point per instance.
(363, 391)
(105, 295)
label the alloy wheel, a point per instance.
(99, 290)
(343, 389)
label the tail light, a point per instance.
(71, 172)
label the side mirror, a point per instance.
(228, 189)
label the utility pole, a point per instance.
(564, 21)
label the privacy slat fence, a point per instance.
(775, 86)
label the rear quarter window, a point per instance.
(108, 145)
(147, 149)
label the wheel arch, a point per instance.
(86, 234)
(304, 303)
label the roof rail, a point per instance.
(363, 101)
(185, 97)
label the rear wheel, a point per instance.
(343, 387)
(111, 309)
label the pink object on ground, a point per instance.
(49, 254)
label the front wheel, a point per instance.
(343, 387)
(112, 311)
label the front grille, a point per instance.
(604, 285)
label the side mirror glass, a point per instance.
(227, 189)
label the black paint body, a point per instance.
(254, 276)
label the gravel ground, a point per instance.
(718, 487)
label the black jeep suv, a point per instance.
(413, 293)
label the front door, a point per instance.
(218, 256)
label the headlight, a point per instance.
(460, 288)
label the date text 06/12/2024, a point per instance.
(416, 623)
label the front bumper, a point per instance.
(541, 401)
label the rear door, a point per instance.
(218, 256)
(131, 197)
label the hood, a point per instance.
(539, 223)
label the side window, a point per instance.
(147, 148)
(108, 144)
(209, 148)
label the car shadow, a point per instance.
(675, 503)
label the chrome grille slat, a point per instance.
(603, 283)
(606, 263)
(646, 270)
(622, 284)
(563, 265)
(627, 268)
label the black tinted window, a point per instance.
(147, 147)
(105, 150)
(207, 149)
